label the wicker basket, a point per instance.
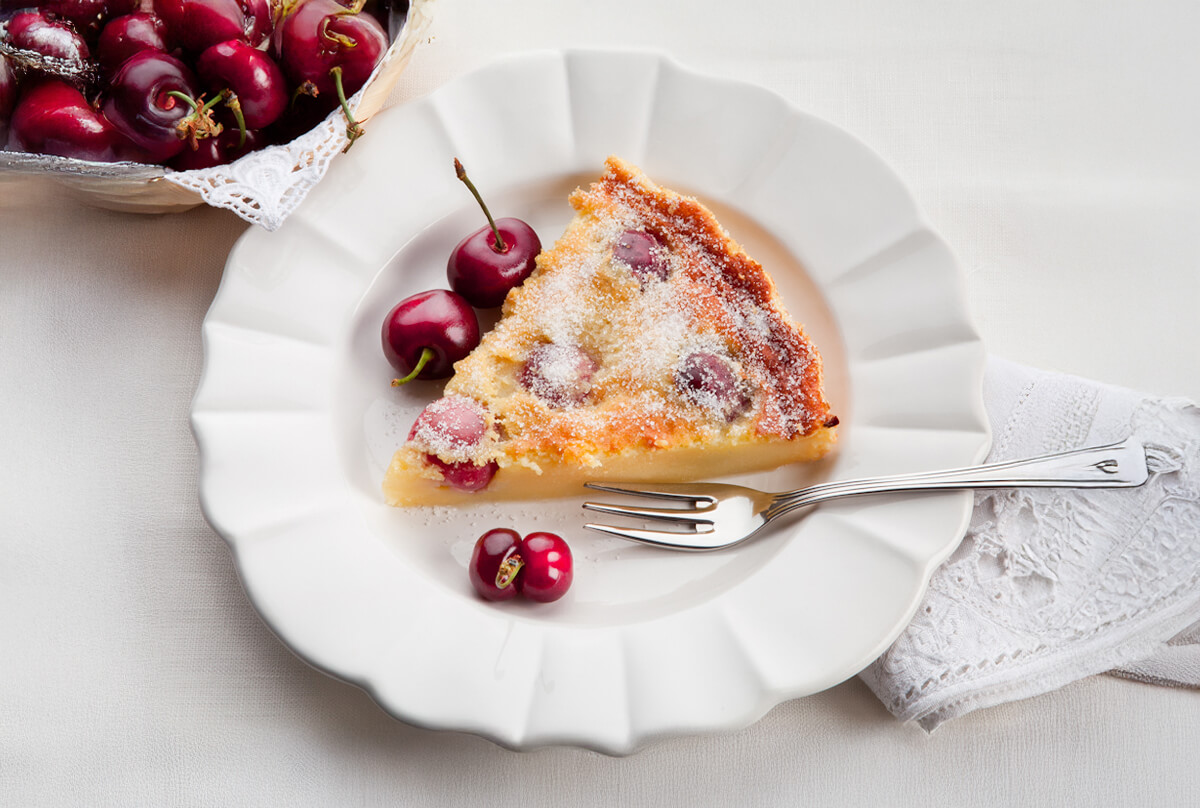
(142, 188)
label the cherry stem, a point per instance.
(191, 102)
(426, 355)
(197, 124)
(353, 130)
(461, 173)
(509, 567)
(235, 106)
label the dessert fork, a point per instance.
(713, 516)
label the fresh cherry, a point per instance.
(124, 36)
(494, 259)
(708, 380)
(150, 100)
(561, 375)
(53, 117)
(258, 88)
(197, 24)
(424, 335)
(643, 253)
(34, 31)
(329, 50)
(548, 569)
(448, 430)
(495, 564)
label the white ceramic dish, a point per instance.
(296, 422)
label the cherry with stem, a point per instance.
(486, 265)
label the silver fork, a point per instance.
(713, 516)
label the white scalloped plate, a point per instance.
(295, 420)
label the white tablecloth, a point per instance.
(1055, 145)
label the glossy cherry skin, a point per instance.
(197, 24)
(251, 75)
(483, 274)
(561, 375)
(52, 117)
(124, 36)
(219, 150)
(492, 551)
(138, 105)
(548, 567)
(439, 320)
(452, 426)
(319, 35)
(32, 30)
(708, 380)
(644, 254)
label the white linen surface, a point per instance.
(1052, 144)
(1053, 584)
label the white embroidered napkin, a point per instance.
(1051, 585)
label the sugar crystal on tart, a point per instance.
(645, 346)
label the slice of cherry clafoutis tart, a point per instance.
(645, 347)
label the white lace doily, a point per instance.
(1051, 585)
(265, 186)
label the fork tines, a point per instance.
(691, 517)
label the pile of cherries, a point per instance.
(185, 83)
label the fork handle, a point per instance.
(1118, 465)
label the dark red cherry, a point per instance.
(196, 24)
(319, 35)
(145, 101)
(448, 431)
(329, 50)
(124, 36)
(643, 253)
(709, 381)
(547, 567)
(424, 335)
(560, 375)
(251, 75)
(32, 30)
(52, 117)
(220, 150)
(495, 564)
(485, 265)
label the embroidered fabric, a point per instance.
(1051, 585)
(265, 186)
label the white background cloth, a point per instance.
(1053, 144)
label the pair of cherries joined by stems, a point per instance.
(538, 567)
(192, 84)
